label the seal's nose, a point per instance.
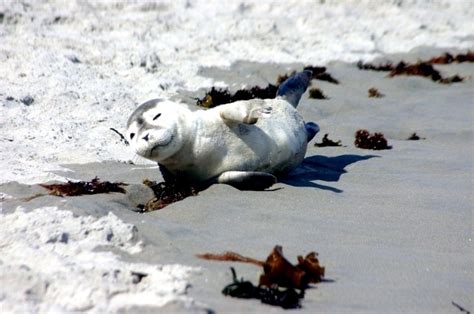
(146, 137)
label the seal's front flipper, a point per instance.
(247, 180)
(311, 130)
(240, 114)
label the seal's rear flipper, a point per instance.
(311, 130)
(294, 87)
(247, 180)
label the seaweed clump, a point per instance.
(280, 280)
(218, 96)
(326, 141)
(365, 140)
(319, 73)
(374, 93)
(415, 137)
(95, 186)
(448, 58)
(286, 298)
(316, 93)
(166, 193)
(422, 68)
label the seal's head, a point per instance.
(155, 129)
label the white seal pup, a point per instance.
(244, 144)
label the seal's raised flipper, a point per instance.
(311, 130)
(294, 87)
(247, 180)
(240, 114)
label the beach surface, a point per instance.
(392, 227)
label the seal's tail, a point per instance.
(294, 87)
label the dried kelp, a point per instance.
(319, 73)
(167, 193)
(218, 96)
(277, 270)
(448, 58)
(280, 280)
(240, 288)
(325, 142)
(314, 272)
(287, 298)
(422, 68)
(379, 68)
(316, 93)
(230, 257)
(84, 188)
(415, 137)
(374, 93)
(376, 141)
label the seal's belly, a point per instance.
(275, 144)
(271, 145)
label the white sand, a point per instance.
(394, 232)
(51, 262)
(75, 104)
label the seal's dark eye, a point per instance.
(132, 135)
(157, 116)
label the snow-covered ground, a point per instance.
(87, 64)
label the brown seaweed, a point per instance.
(220, 96)
(95, 186)
(286, 298)
(277, 270)
(374, 93)
(166, 193)
(415, 137)
(316, 93)
(422, 68)
(319, 73)
(325, 142)
(386, 67)
(280, 281)
(314, 272)
(230, 257)
(284, 77)
(448, 58)
(365, 140)
(216, 97)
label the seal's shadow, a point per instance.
(321, 168)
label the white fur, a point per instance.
(207, 143)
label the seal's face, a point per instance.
(153, 129)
